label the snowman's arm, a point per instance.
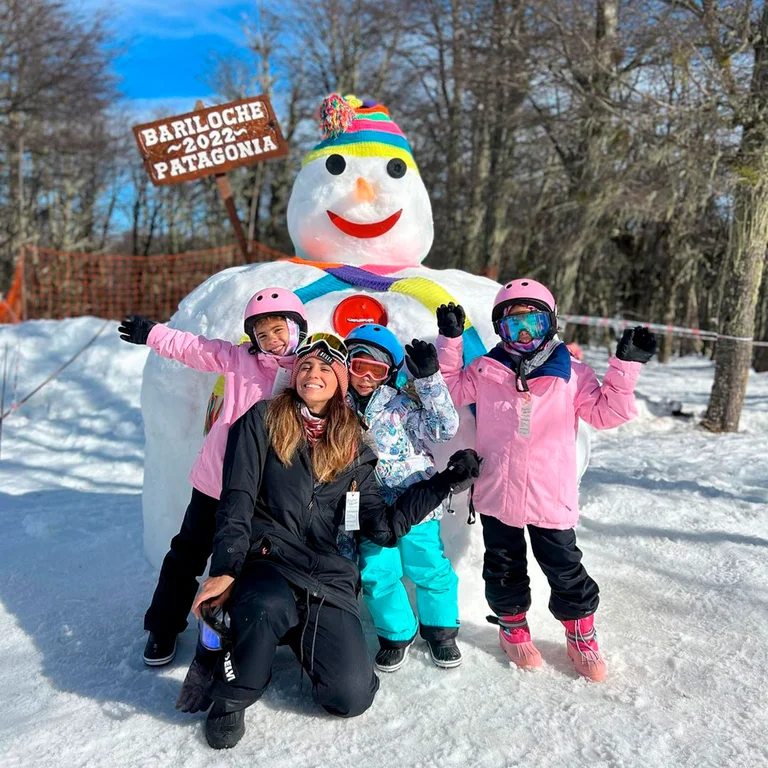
(247, 446)
(462, 382)
(209, 355)
(436, 420)
(611, 404)
(384, 524)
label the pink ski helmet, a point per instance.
(529, 292)
(275, 301)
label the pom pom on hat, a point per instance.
(336, 116)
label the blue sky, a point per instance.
(167, 46)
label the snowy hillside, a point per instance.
(674, 528)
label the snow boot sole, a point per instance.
(442, 663)
(394, 667)
(159, 661)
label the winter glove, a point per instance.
(421, 357)
(135, 329)
(450, 320)
(636, 345)
(194, 695)
(462, 470)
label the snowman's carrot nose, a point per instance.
(364, 190)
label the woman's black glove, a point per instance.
(636, 345)
(135, 329)
(421, 357)
(450, 320)
(194, 695)
(462, 470)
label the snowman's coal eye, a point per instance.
(396, 168)
(335, 164)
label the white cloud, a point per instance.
(169, 19)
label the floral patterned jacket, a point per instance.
(401, 428)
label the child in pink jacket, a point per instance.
(529, 395)
(276, 323)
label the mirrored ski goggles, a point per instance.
(332, 345)
(373, 369)
(214, 633)
(536, 323)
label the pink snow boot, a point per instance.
(581, 642)
(515, 640)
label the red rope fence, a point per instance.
(57, 284)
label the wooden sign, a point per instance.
(210, 141)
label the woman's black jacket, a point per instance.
(281, 514)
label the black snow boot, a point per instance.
(392, 654)
(224, 729)
(159, 650)
(445, 653)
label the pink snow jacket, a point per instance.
(248, 379)
(528, 439)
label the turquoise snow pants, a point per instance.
(419, 555)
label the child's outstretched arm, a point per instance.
(436, 420)
(613, 403)
(462, 383)
(209, 355)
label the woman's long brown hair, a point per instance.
(332, 452)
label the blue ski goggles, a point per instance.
(537, 324)
(214, 633)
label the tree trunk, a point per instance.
(746, 252)
(744, 265)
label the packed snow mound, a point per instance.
(174, 398)
(673, 528)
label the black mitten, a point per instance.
(135, 329)
(450, 320)
(636, 345)
(421, 359)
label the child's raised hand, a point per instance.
(450, 320)
(135, 329)
(636, 345)
(421, 358)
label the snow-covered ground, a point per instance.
(674, 528)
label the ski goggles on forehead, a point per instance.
(332, 345)
(374, 369)
(537, 324)
(214, 633)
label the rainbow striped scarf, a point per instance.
(339, 277)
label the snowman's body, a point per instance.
(347, 206)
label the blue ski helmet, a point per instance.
(380, 337)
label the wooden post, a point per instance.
(23, 281)
(225, 193)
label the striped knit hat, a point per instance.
(360, 128)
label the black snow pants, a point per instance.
(507, 586)
(185, 562)
(266, 611)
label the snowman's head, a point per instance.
(359, 198)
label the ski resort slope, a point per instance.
(674, 528)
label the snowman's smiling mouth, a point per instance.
(353, 229)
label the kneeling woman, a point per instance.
(295, 472)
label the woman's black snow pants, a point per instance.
(264, 612)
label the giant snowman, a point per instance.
(361, 223)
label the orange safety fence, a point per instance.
(57, 284)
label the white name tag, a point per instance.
(524, 430)
(282, 380)
(352, 512)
